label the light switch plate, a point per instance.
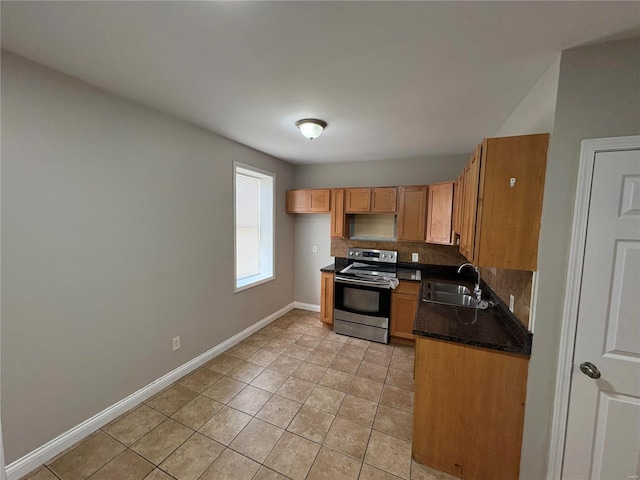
(512, 302)
(414, 257)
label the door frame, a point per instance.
(588, 150)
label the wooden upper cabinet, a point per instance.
(470, 178)
(338, 217)
(412, 213)
(297, 201)
(458, 191)
(320, 200)
(383, 200)
(502, 202)
(371, 200)
(440, 213)
(358, 200)
(512, 173)
(309, 200)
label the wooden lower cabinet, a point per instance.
(326, 297)
(404, 301)
(468, 409)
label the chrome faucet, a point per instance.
(476, 289)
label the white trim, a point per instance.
(267, 230)
(588, 151)
(307, 306)
(46, 452)
(2, 469)
(533, 301)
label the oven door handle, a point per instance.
(364, 283)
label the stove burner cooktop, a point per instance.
(377, 264)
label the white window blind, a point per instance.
(247, 226)
(253, 226)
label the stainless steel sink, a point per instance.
(448, 287)
(454, 299)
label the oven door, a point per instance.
(362, 301)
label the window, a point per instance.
(254, 225)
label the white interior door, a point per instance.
(603, 428)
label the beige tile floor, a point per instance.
(294, 401)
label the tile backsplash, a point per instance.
(511, 282)
(427, 252)
(504, 282)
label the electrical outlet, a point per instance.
(175, 343)
(314, 249)
(414, 257)
(512, 302)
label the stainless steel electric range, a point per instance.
(362, 293)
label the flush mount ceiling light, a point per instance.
(311, 127)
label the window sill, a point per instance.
(251, 282)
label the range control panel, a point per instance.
(367, 255)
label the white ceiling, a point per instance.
(392, 79)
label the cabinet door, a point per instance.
(383, 200)
(404, 302)
(469, 205)
(469, 409)
(438, 422)
(358, 200)
(458, 191)
(297, 201)
(338, 218)
(320, 200)
(412, 214)
(496, 394)
(440, 214)
(512, 174)
(326, 297)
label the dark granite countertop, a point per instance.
(338, 265)
(495, 328)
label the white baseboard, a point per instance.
(307, 306)
(46, 452)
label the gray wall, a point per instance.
(117, 235)
(536, 112)
(598, 96)
(314, 229)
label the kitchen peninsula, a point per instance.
(471, 364)
(470, 379)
